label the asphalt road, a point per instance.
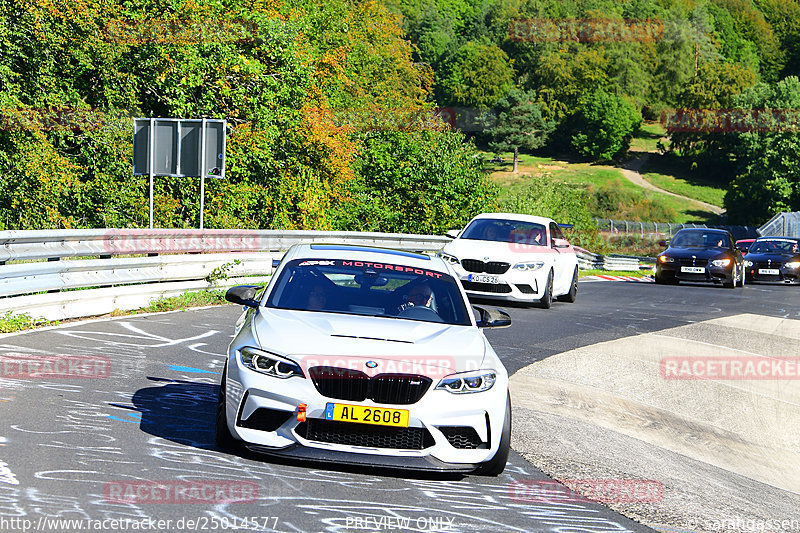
(71, 448)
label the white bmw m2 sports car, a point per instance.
(514, 257)
(365, 356)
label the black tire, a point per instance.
(572, 295)
(496, 465)
(732, 283)
(224, 438)
(547, 298)
(660, 280)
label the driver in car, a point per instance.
(418, 295)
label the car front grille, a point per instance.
(688, 261)
(462, 437)
(490, 267)
(356, 386)
(499, 288)
(351, 434)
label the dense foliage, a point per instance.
(307, 88)
(597, 65)
(329, 102)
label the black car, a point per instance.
(701, 255)
(775, 259)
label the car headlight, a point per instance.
(750, 263)
(793, 264)
(453, 260)
(721, 262)
(535, 265)
(270, 364)
(665, 259)
(467, 382)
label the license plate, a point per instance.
(377, 416)
(480, 278)
(773, 271)
(693, 270)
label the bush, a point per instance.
(415, 182)
(548, 197)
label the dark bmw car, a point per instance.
(701, 255)
(775, 259)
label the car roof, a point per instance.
(705, 230)
(515, 216)
(778, 237)
(365, 253)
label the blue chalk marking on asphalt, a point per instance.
(137, 417)
(190, 369)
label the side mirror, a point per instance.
(492, 318)
(243, 295)
(560, 243)
(453, 233)
(663, 243)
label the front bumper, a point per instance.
(262, 412)
(711, 274)
(513, 285)
(784, 276)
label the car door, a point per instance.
(562, 275)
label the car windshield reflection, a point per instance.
(370, 289)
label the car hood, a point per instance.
(350, 341)
(496, 251)
(699, 253)
(774, 257)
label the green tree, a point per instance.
(604, 125)
(517, 123)
(417, 182)
(477, 75)
(768, 158)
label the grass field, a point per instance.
(588, 174)
(646, 139)
(665, 173)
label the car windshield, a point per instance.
(490, 229)
(700, 239)
(774, 246)
(371, 289)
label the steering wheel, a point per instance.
(420, 312)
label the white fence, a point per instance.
(126, 269)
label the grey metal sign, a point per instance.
(179, 147)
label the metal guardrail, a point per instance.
(666, 229)
(40, 271)
(783, 224)
(590, 261)
(126, 269)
